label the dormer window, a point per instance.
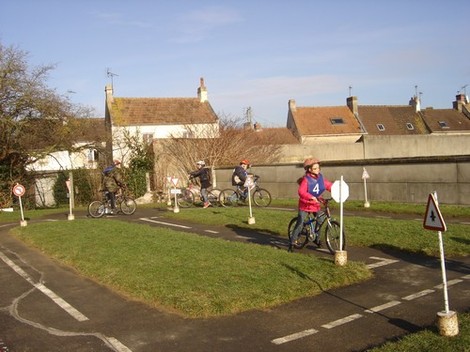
(410, 126)
(443, 124)
(380, 127)
(337, 121)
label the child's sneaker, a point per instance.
(206, 205)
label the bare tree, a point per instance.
(224, 144)
(34, 119)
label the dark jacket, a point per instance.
(204, 175)
(112, 179)
(239, 176)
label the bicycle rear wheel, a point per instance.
(185, 198)
(128, 206)
(332, 236)
(302, 238)
(96, 209)
(228, 198)
(262, 197)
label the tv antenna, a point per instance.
(111, 75)
(464, 89)
(350, 90)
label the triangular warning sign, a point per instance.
(433, 219)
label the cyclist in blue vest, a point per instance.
(311, 187)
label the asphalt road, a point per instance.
(48, 307)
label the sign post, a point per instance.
(168, 183)
(70, 188)
(249, 185)
(176, 208)
(19, 190)
(365, 176)
(433, 220)
(340, 192)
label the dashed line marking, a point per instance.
(211, 231)
(382, 262)
(449, 283)
(342, 321)
(55, 298)
(466, 277)
(418, 294)
(117, 345)
(165, 223)
(383, 307)
(292, 337)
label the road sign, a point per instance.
(365, 174)
(18, 190)
(433, 219)
(175, 181)
(339, 195)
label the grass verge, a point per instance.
(430, 340)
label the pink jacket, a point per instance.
(305, 198)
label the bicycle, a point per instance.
(124, 204)
(311, 230)
(260, 196)
(188, 195)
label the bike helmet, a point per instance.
(245, 161)
(201, 162)
(309, 162)
(117, 162)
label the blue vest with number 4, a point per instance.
(315, 186)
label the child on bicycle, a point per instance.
(240, 175)
(311, 187)
(205, 177)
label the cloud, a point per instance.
(197, 25)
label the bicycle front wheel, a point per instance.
(96, 209)
(228, 198)
(332, 236)
(128, 206)
(185, 198)
(262, 197)
(302, 238)
(213, 196)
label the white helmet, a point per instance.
(201, 162)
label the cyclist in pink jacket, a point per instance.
(311, 187)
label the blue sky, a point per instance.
(256, 54)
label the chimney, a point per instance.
(351, 102)
(460, 100)
(202, 91)
(292, 105)
(109, 93)
(414, 102)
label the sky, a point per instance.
(251, 54)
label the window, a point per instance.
(443, 124)
(337, 121)
(148, 138)
(92, 155)
(410, 126)
(380, 127)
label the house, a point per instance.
(329, 124)
(157, 118)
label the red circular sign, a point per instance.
(18, 190)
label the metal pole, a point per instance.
(443, 265)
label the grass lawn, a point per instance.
(190, 274)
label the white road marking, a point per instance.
(292, 337)
(165, 223)
(382, 307)
(117, 345)
(383, 261)
(418, 294)
(466, 277)
(342, 321)
(59, 301)
(449, 283)
(211, 231)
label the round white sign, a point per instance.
(339, 195)
(18, 190)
